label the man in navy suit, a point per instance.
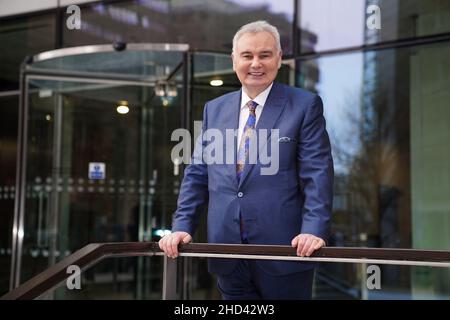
(289, 207)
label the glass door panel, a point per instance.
(96, 175)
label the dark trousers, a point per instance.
(249, 282)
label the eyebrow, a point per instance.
(262, 52)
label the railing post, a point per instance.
(364, 289)
(169, 290)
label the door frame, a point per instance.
(27, 73)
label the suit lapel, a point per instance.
(231, 121)
(271, 112)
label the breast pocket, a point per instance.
(287, 149)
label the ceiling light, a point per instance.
(122, 108)
(216, 83)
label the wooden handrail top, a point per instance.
(95, 252)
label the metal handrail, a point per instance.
(94, 253)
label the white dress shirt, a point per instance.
(260, 99)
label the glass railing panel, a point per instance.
(124, 278)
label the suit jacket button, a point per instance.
(240, 194)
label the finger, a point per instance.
(306, 246)
(319, 244)
(164, 244)
(169, 246)
(161, 244)
(294, 242)
(312, 247)
(166, 248)
(174, 246)
(300, 244)
(187, 239)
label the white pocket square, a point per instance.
(286, 139)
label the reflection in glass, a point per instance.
(204, 25)
(65, 210)
(112, 279)
(387, 115)
(8, 151)
(22, 37)
(328, 24)
(342, 24)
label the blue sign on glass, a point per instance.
(97, 170)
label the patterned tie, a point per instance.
(244, 145)
(242, 155)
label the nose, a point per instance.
(256, 63)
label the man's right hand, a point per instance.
(169, 243)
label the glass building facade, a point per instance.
(385, 94)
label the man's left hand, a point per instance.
(306, 244)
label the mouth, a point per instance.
(256, 74)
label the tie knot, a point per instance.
(252, 106)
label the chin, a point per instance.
(257, 83)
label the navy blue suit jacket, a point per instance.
(276, 208)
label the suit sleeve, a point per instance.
(316, 171)
(194, 188)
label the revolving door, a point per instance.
(94, 162)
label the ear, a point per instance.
(280, 55)
(232, 59)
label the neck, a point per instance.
(254, 92)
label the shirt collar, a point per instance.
(260, 99)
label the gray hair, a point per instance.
(255, 27)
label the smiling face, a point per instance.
(256, 61)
